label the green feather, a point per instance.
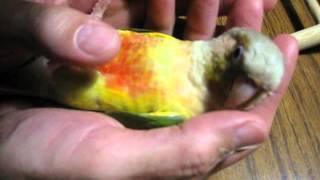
(145, 121)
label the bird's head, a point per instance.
(254, 67)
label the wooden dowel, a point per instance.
(308, 37)
(315, 8)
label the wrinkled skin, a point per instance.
(50, 142)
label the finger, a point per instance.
(269, 4)
(246, 13)
(194, 148)
(60, 31)
(62, 144)
(126, 14)
(161, 15)
(226, 5)
(289, 48)
(83, 5)
(202, 18)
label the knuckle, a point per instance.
(198, 158)
(208, 3)
(162, 26)
(257, 5)
(196, 32)
(269, 4)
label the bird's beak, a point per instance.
(243, 94)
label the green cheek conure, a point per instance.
(157, 80)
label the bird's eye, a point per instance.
(237, 55)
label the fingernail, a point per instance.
(248, 134)
(95, 39)
(248, 148)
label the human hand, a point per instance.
(47, 142)
(161, 15)
(62, 29)
(58, 143)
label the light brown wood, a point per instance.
(315, 8)
(293, 150)
(308, 37)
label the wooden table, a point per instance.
(293, 150)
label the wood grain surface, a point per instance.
(293, 150)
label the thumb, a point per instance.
(59, 31)
(193, 149)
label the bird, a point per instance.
(157, 80)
